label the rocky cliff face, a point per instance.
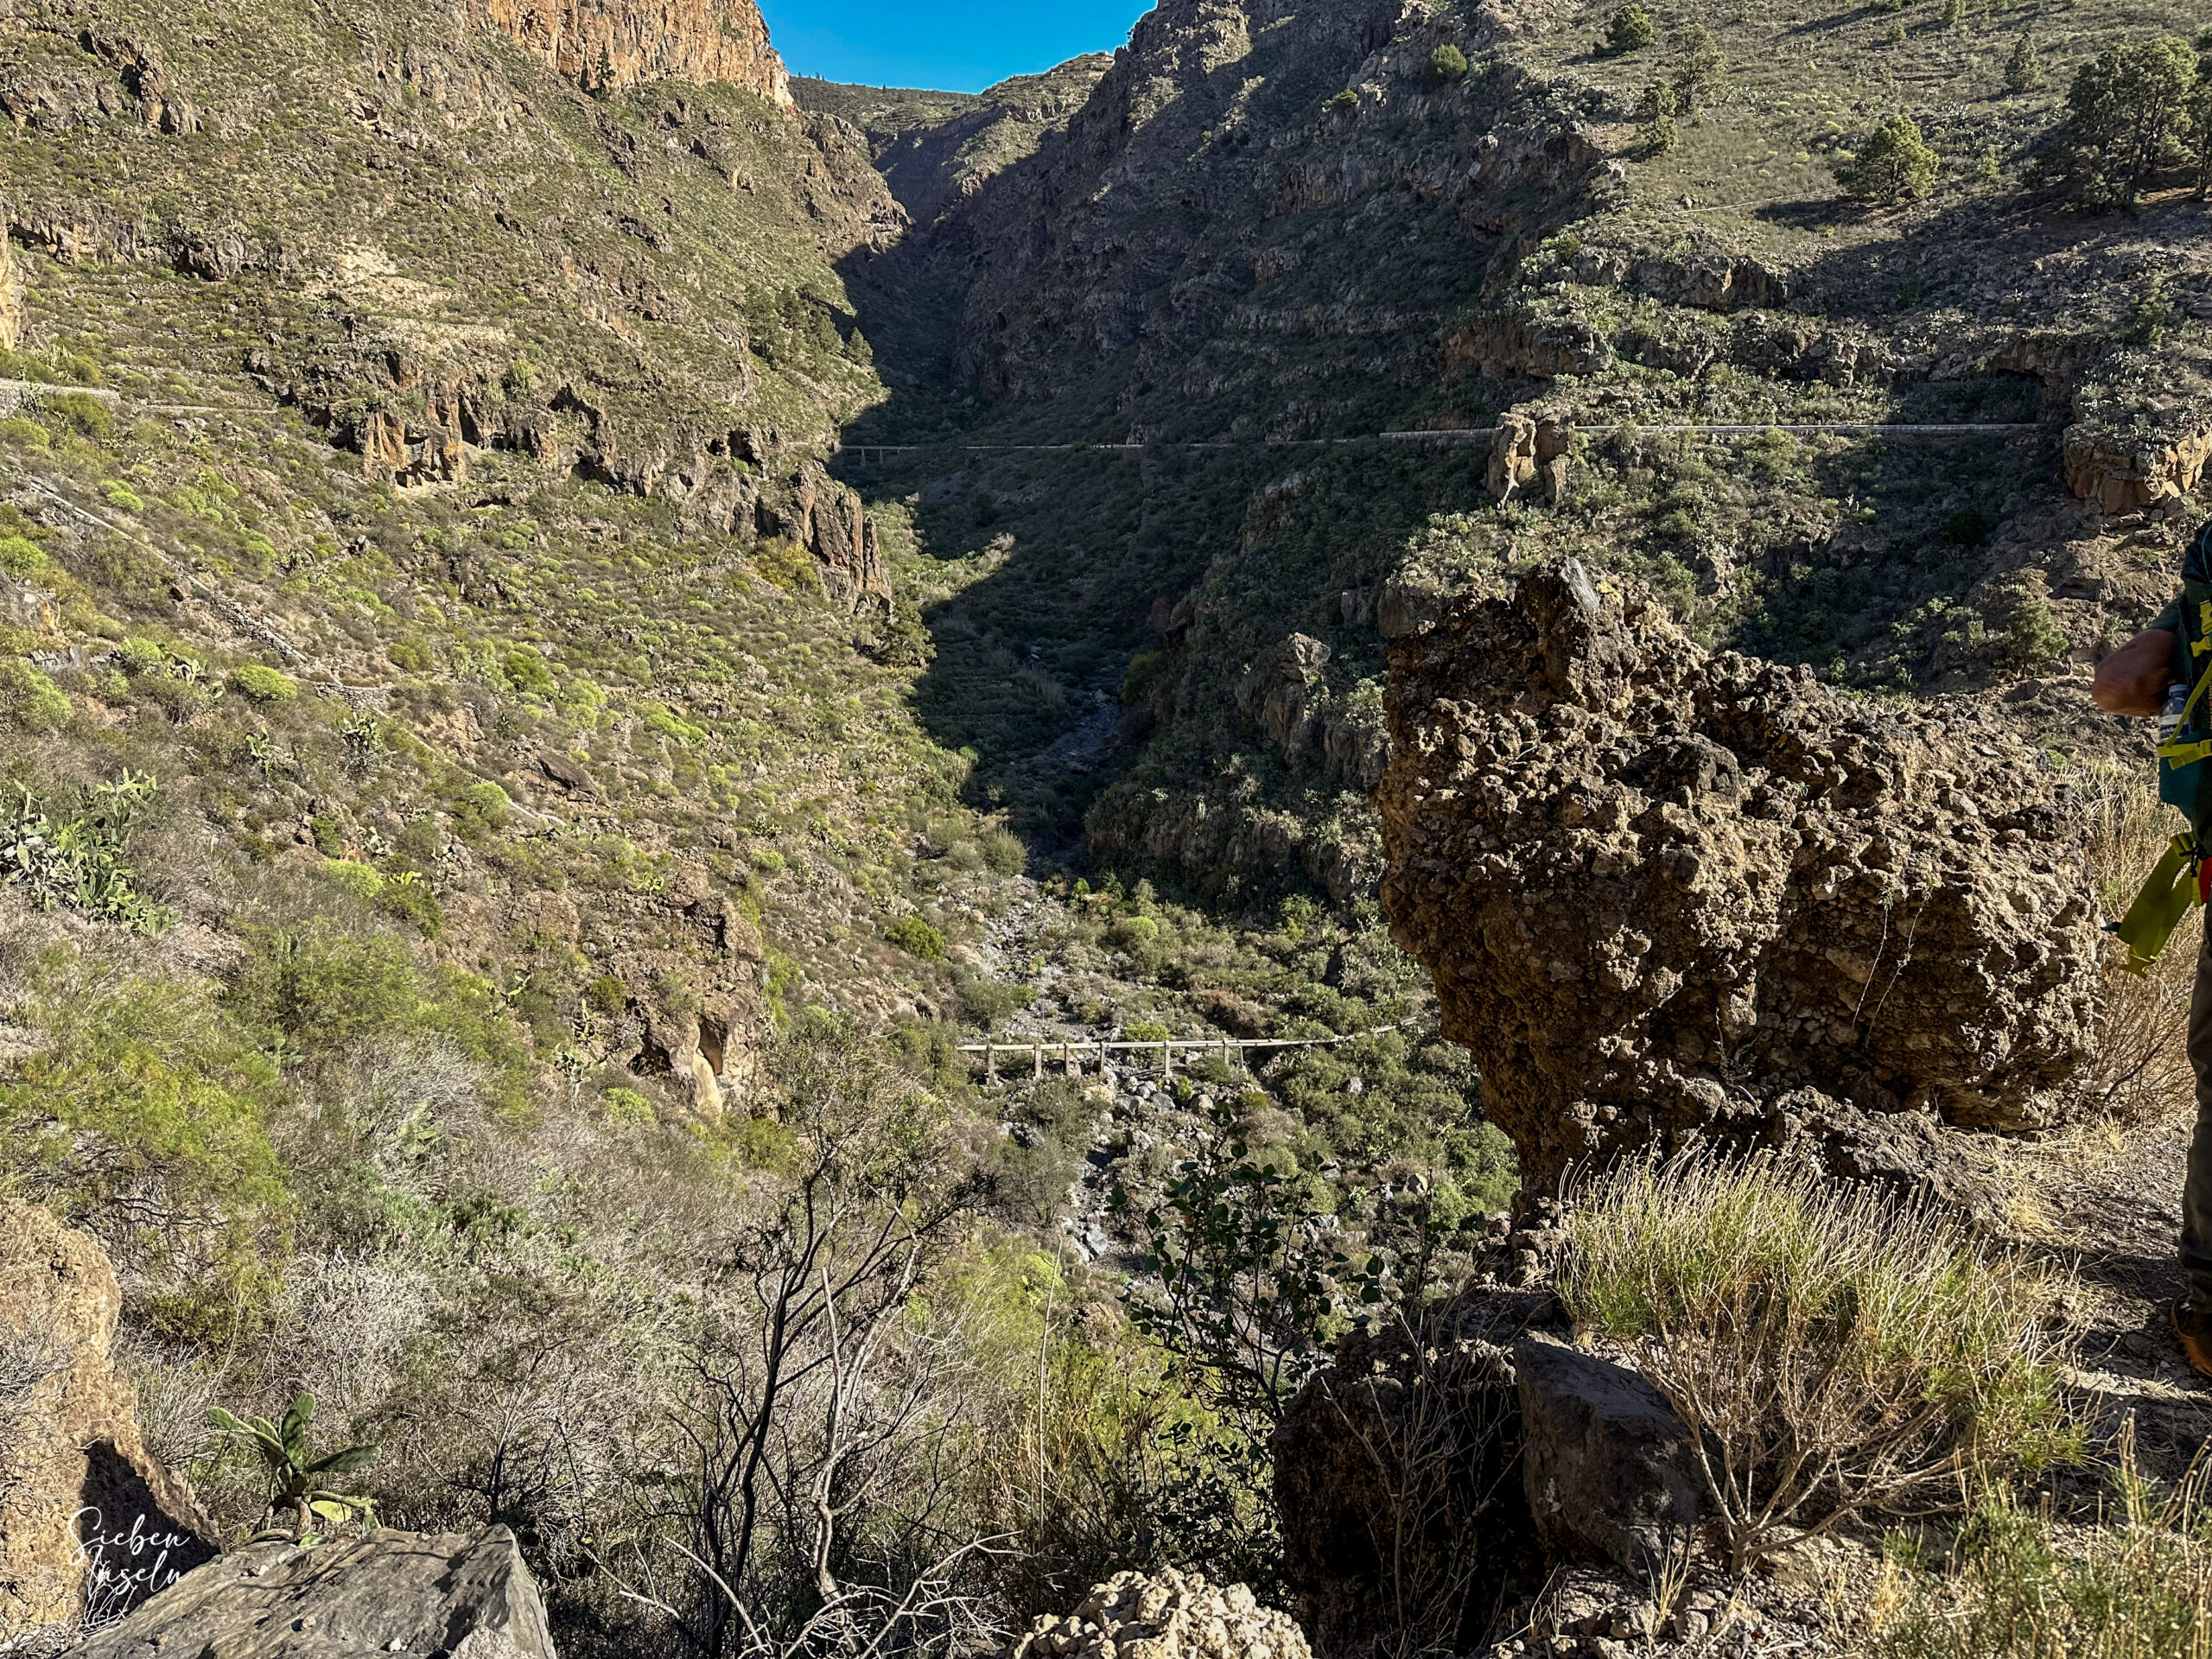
(88, 1519)
(608, 46)
(1664, 893)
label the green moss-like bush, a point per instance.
(916, 938)
(527, 671)
(1446, 65)
(22, 430)
(264, 685)
(29, 701)
(21, 558)
(80, 412)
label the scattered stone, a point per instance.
(1169, 1615)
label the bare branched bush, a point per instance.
(2136, 1587)
(2141, 1067)
(823, 1509)
(1836, 1352)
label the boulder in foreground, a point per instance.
(400, 1595)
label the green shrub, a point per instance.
(80, 412)
(22, 558)
(264, 685)
(2032, 635)
(408, 655)
(120, 494)
(990, 1002)
(145, 1120)
(1003, 852)
(1629, 30)
(1347, 100)
(1836, 1352)
(140, 655)
(20, 429)
(916, 938)
(1894, 165)
(607, 994)
(1147, 1031)
(2023, 1585)
(671, 725)
(1446, 65)
(29, 701)
(358, 880)
(628, 1106)
(2023, 67)
(527, 671)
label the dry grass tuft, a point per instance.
(2141, 1070)
(1841, 1353)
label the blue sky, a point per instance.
(960, 46)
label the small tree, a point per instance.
(1656, 109)
(2024, 69)
(1446, 65)
(1697, 64)
(2124, 119)
(1951, 11)
(1894, 165)
(1629, 30)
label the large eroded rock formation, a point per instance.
(1665, 892)
(86, 1514)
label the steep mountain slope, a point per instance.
(1274, 228)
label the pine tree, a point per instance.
(2024, 69)
(1894, 165)
(1629, 30)
(1697, 64)
(2127, 117)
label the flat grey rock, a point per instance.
(398, 1595)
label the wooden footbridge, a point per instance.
(1070, 1053)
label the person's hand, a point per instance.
(2134, 678)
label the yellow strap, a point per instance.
(2171, 751)
(2185, 754)
(2158, 908)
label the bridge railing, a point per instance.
(1070, 1053)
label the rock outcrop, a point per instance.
(2124, 477)
(1665, 892)
(11, 293)
(1527, 454)
(1395, 1475)
(413, 1595)
(1167, 1615)
(607, 45)
(87, 1515)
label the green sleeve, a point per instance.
(2169, 619)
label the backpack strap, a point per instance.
(2177, 752)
